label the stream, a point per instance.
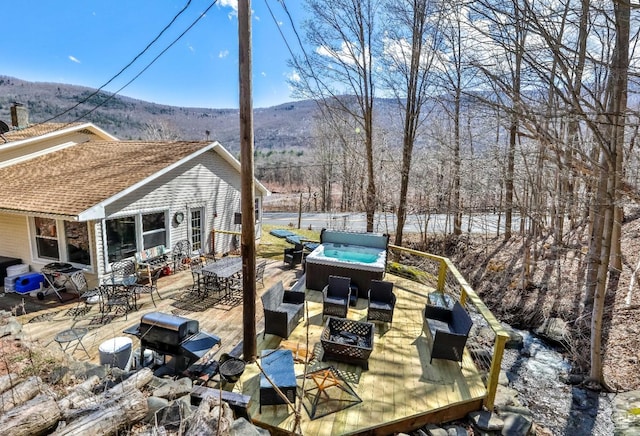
(535, 372)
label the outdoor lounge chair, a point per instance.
(293, 256)
(282, 310)
(449, 331)
(335, 297)
(382, 301)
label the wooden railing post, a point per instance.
(442, 275)
(494, 371)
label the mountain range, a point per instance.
(281, 128)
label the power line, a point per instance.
(149, 64)
(173, 20)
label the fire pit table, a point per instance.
(347, 341)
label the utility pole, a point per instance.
(248, 244)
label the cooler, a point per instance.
(26, 283)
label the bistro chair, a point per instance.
(181, 254)
(150, 287)
(382, 301)
(335, 297)
(123, 272)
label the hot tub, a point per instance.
(359, 256)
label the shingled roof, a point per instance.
(37, 130)
(72, 180)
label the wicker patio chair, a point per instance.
(382, 301)
(335, 297)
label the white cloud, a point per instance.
(233, 4)
(74, 59)
(223, 54)
(263, 74)
(294, 76)
(191, 49)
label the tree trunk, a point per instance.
(108, 417)
(211, 418)
(36, 416)
(21, 393)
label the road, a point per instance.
(385, 222)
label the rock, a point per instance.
(572, 379)
(434, 430)
(555, 330)
(515, 409)
(174, 389)
(456, 430)
(515, 341)
(506, 396)
(516, 424)
(12, 327)
(486, 421)
(154, 404)
(626, 413)
(242, 427)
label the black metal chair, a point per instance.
(123, 272)
(150, 287)
(181, 254)
(382, 301)
(293, 256)
(335, 297)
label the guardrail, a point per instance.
(430, 268)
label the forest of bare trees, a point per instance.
(520, 107)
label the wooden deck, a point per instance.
(400, 391)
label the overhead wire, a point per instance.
(123, 69)
(150, 63)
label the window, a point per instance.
(46, 238)
(77, 241)
(64, 241)
(121, 238)
(196, 229)
(257, 209)
(154, 231)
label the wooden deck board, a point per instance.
(399, 387)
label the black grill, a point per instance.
(175, 336)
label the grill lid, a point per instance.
(166, 321)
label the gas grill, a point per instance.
(175, 336)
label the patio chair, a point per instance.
(181, 254)
(260, 272)
(382, 301)
(293, 256)
(123, 272)
(150, 287)
(118, 299)
(335, 297)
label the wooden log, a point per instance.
(80, 393)
(137, 380)
(8, 381)
(213, 417)
(90, 403)
(35, 417)
(21, 393)
(109, 417)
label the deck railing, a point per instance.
(430, 269)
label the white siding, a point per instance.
(207, 181)
(14, 238)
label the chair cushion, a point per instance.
(335, 300)
(378, 305)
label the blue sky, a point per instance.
(87, 42)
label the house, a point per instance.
(75, 194)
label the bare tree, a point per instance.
(342, 32)
(410, 36)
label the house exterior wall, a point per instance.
(14, 238)
(208, 181)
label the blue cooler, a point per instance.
(26, 283)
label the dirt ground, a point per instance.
(494, 268)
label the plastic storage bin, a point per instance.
(16, 270)
(10, 283)
(116, 352)
(28, 282)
